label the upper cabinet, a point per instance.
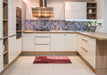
(12, 17)
(75, 10)
(91, 10)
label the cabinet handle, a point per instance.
(42, 44)
(42, 36)
(12, 35)
(85, 40)
(84, 49)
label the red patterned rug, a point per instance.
(51, 59)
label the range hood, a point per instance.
(43, 11)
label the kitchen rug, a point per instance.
(51, 59)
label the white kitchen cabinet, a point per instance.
(75, 10)
(92, 52)
(42, 42)
(1, 61)
(42, 47)
(1, 16)
(87, 48)
(71, 42)
(58, 7)
(58, 41)
(12, 48)
(19, 45)
(1, 55)
(28, 42)
(12, 17)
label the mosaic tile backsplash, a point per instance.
(48, 25)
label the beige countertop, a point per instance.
(96, 35)
(49, 32)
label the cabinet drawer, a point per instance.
(87, 42)
(42, 40)
(84, 51)
(42, 47)
(58, 35)
(84, 40)
(42, 34)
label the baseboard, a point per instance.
(49, 53)
(101, 71)
(10, 64)
(91, 67)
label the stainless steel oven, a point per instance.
(18, 23)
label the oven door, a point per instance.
(19, 35)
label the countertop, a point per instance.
(96, 35)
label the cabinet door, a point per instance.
(67, 10)
(75, 10)
(19, 45)
(1, 55)
(71, 42)
(92, 52)
(12, 17)
(12, 48)
(28, 42)
(1, 10)
(58, 42)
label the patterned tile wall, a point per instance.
(48, 25)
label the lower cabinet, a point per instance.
(58, 42)
(1, 61)
(87, 48)
(12, 48)
(42, 42)
(49, 42)
(19, 45)
(71, 42)
(28, 42)
(1, 55)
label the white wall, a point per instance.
(29, 5)
(19, 3)
(100, 13)
(23, 15)
(105, 16)
(100, 9)
(57, 4)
